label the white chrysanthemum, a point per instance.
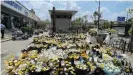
(38, 69)
(15, 61)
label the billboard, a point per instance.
(120, 19)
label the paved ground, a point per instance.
(7, 36)
(13, 48)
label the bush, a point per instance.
(28, 30)
(130, 31)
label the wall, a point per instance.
(62, 23)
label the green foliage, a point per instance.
(129, 20)
(106, 25)
(111, 22)
(95, 22)
(117, 62)
(27, 29)
(84, 27)
(130, 31)
(90, 27)
(113, 31)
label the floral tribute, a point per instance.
(66, 55)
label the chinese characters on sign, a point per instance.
(15, 5)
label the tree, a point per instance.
(43, 24)
(131, 39)
(81, 21)
(111, 22)
(95, 16)
(129, 20)
(106, 25)
(84, 28)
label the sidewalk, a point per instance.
(7, 36)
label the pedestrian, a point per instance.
(2, 30)
(107, 39)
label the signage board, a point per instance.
(16, 6)
(120, 19)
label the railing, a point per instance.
(123, 45)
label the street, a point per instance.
(13, 48)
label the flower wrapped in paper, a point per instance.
(107, 57)
(93, 31)
(101, 66)
(33, 54)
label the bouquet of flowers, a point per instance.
(73, 55)
(116, 62)
(93, 31)
(33, 54)
(113, 31)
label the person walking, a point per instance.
(2, 30)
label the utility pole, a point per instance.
(131, 38)
(54, 30)
(98, 14)
(127, 16)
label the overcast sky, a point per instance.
(110, 9)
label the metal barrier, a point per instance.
(130, 47)
(116, 44)
(123, 45)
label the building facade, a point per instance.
(15, 15)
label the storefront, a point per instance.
(5, 19)
(15, 15)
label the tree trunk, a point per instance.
(131, 40)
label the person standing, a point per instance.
(88, 38)
(2, 30)
(107, 39)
